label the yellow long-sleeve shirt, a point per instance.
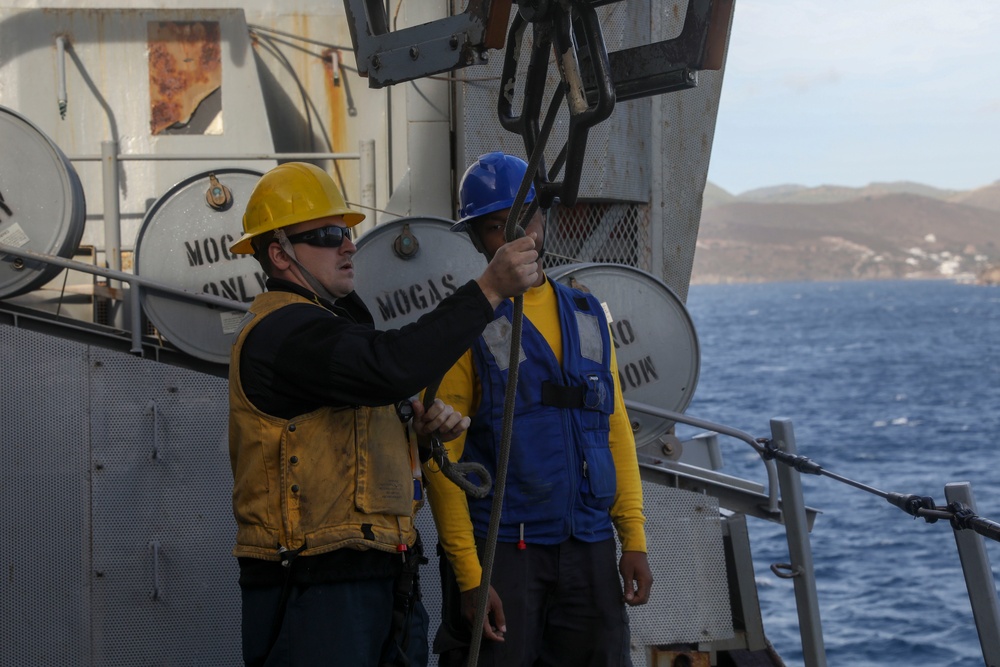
(460, 388)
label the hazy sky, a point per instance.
(848, 92)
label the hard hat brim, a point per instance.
(244, 246)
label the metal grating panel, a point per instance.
(111, 556)
(430, 578)
(44, 495)
(165, 586)
(690, 598)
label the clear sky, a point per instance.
(849, 92)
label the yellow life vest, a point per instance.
(329, 479)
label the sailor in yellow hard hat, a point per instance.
(324, 474)
(298, 203)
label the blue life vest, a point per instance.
(560, 475)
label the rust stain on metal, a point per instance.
(185, 67)
(337, 98)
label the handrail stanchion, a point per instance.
(112, 221)
(135, 316)
(978, 577)
(797, 531)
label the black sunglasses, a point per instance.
(324, 237)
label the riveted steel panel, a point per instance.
(116, 529)
(684, 132)
(165, 587)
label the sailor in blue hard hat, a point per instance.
(488, 190)
(573, 480)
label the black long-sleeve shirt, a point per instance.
(302, 357)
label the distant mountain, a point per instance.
(828, 194)
(885, 230)
(774, 193)
(985, 197)
(716, 196)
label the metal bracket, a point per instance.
(447, 44)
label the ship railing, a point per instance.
(137, 286)
(784, 503)
(111, 161)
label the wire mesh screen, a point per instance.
(611, 232)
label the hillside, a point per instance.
(830, 194)
(987, 197)
(884, 231)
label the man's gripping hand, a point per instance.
(439, 417)
(513, 269)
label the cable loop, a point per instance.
(459, 472)
(786, 570)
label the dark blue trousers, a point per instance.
(328, 625)
(563, 605)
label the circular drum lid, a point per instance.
(654, 337)
(42, 205)
(184, 242)
(404, 268)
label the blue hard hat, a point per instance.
(491, 184)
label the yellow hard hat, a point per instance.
(288, 194)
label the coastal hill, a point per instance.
(880, 231)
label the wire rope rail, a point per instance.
(959, 512)
(136, 283)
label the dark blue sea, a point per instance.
(895, 385)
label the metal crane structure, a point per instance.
(592, 79)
